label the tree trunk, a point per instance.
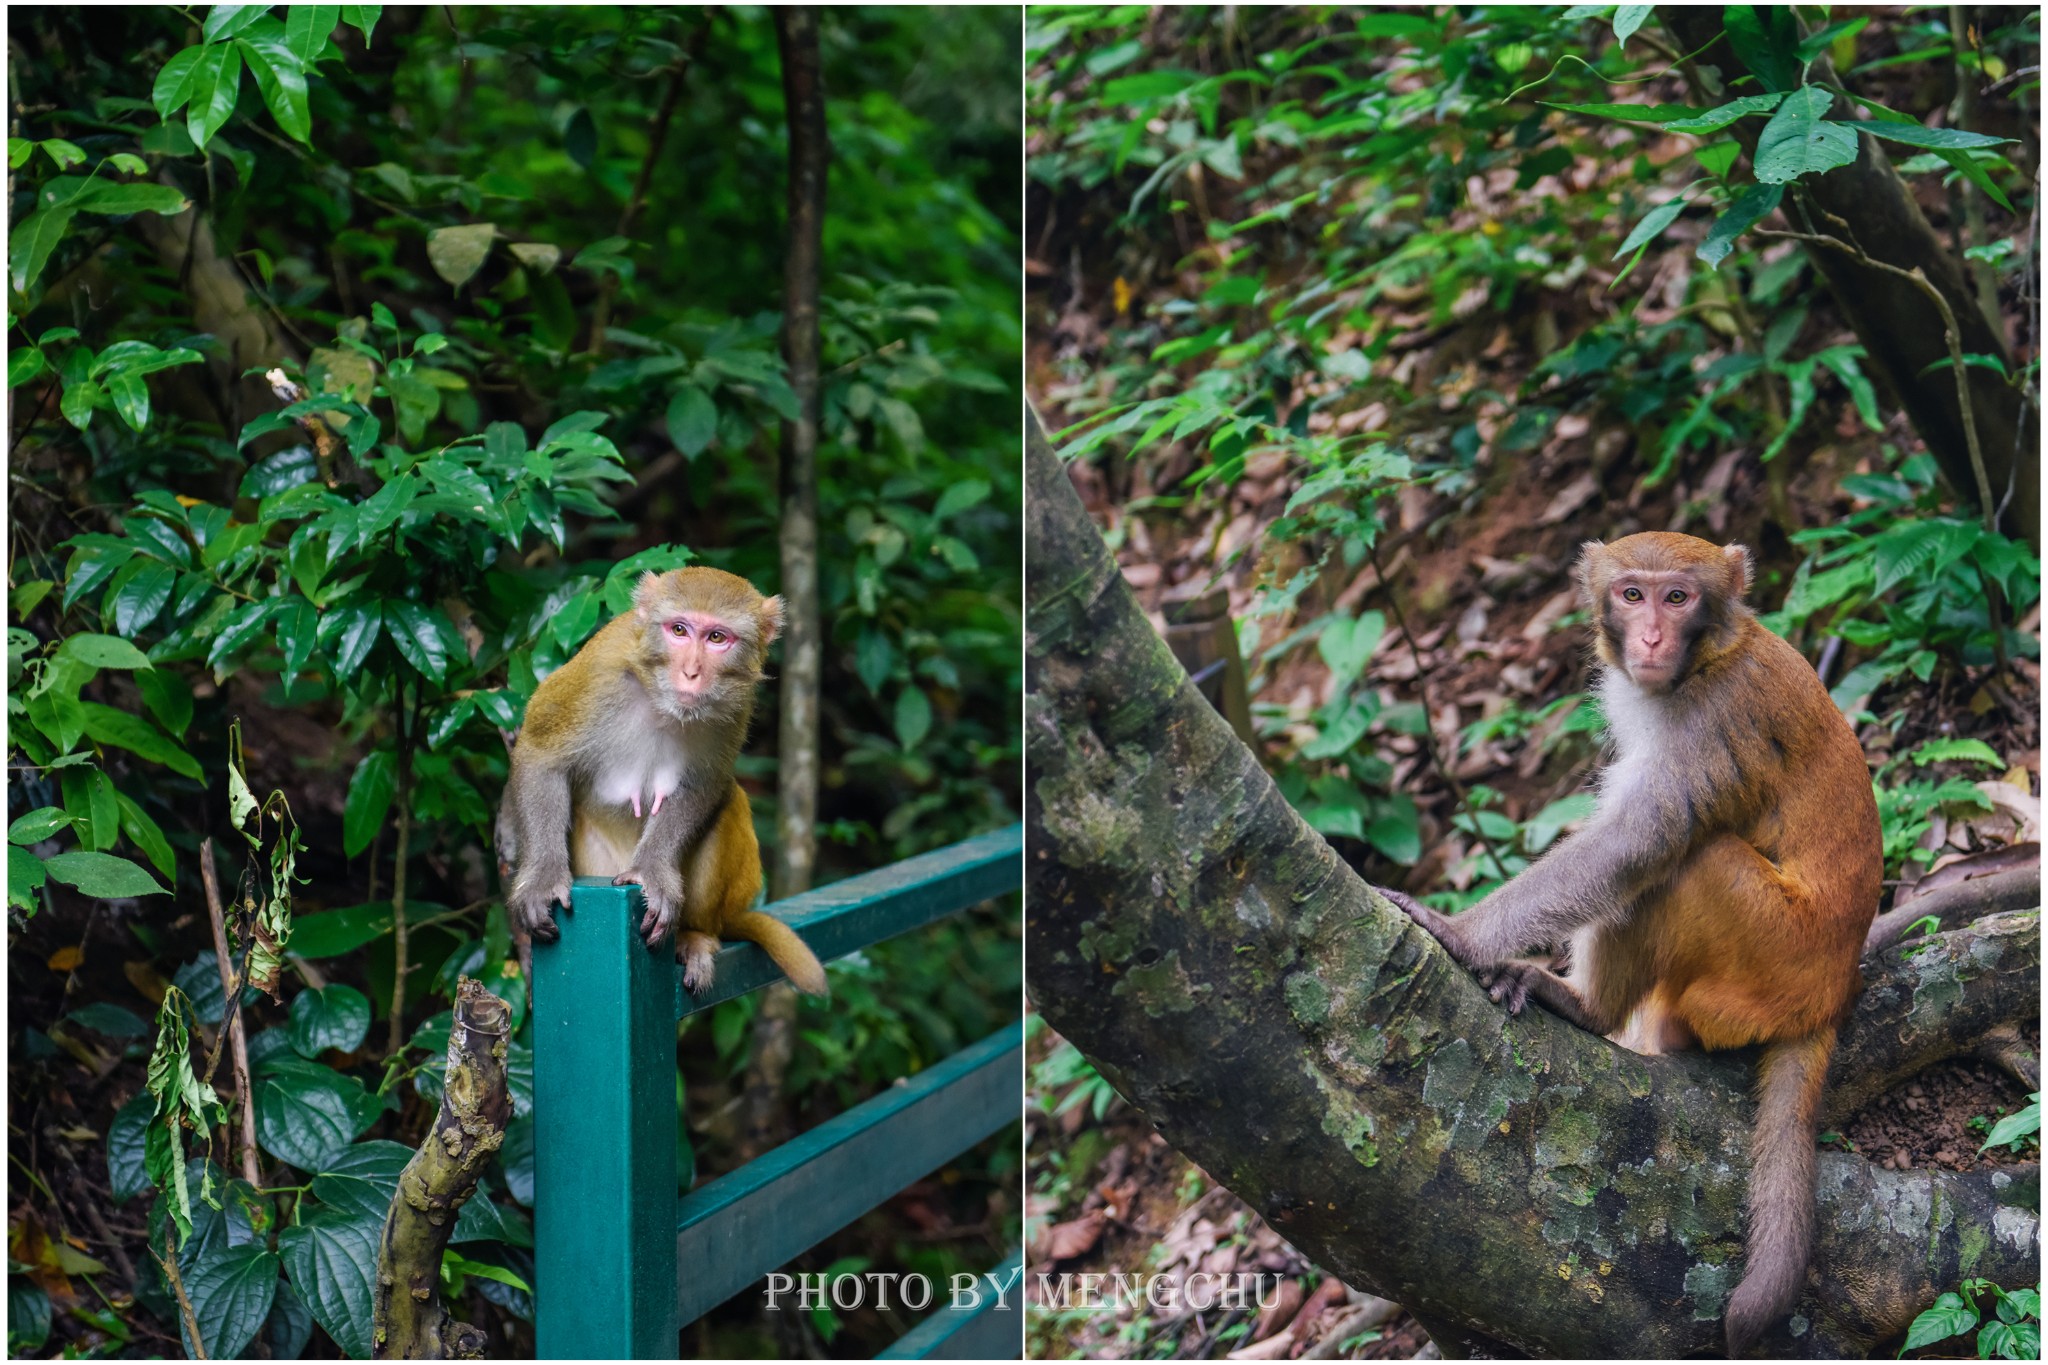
(1522, 1186)
(411, 1321)
(1897, 324)
(796, 791)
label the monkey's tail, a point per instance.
(791, 953)
(1781, 1165)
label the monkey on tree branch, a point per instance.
(1520, 1184)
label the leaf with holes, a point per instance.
(1798, 141)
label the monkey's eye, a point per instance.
(1631, 594)
(718, 637)
(1676, 597)
(678, 629)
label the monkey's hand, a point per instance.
(1442, 928)
(661, 886)
(533, 899)
(1509, 983)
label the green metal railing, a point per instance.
(622, 1263)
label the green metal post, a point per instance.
(604, 1112)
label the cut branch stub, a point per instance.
(411, 1321)
(1520, 1185)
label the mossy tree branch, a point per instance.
(1521, 1186)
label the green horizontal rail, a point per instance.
(748, 1222)
(852, 914)
(992, 1329)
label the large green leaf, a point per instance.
(1721, 116)
(174, 81)
(362, 1180)
(370, 792)
(306, 29)
(216, 77)
(142, 596)
(332, 1259)
(304, 1118)
(126, 1175)
(280, 80)
(336, 1017)
(423, 636)
(348, 632)
(231, 1292)
(125, 730)
(101, 875)
(102, 651)
(1798, 141)
(334, 932)
(692, 420)
(1766, 38)
(127, 196)
(30, 243)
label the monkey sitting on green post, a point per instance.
(624, 769)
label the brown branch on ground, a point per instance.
(1958, 903)
(411, 1321)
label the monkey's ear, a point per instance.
(1591, 552)
(771, 620)
(1742, 568)
(643, 594)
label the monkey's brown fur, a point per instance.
(1721, 892)
(624, 769)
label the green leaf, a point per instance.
(112, 197)
(104, 1017)
(28, 1316)
(913, 717)
(1721, 116)
(457, 253)
(215, 82)
(1950, 1316)
(142, 596)
(25, 363)
(332, 1259)
(1766, 39)
(38, 825)
(304, 1117)
(225, 21)
(1919, 135)
(483, 1219)
(422, 635)
(25, 877)
(362, 1181)
(174, 81)
(1347, 643)
(1797, 141)
(168, 697)
(332, 933)
(1627, 19)
(102, 651)
(147, 835)
(348, 632)
(126, 1174)
(308, 27)
(692, 420)
(65, 154)
(1626, 113)
(231, 1291)
(1653, 223)
(363, 18)
(30, 243)
(336, 1017)
(79, 400)
(1922, 549)
(370, 792)
(101, 876)
(959, 497)
(281, 79)
(2015, 1126)
(1749, 208)
(131, 399)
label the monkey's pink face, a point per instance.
(1652, 619)
(701, 647)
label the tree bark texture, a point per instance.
(803, 92)
(1897, 324)
(411, 1321)
(1520, 1185)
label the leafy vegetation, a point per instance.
(350, 398)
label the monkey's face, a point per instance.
(1650, 622)
(706, 659)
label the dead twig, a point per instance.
(232, 1024)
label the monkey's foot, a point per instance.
(1509, 983)
(659, 919)
(696, 951)
(535, 910)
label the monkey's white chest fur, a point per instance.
(1637, 725)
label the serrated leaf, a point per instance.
(457, 253)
